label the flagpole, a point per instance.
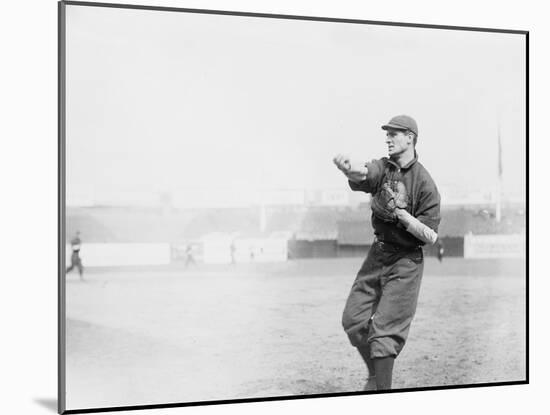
(498, 206)
(263, 215)
(498, 201)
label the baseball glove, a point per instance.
(392, 195)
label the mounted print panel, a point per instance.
(259, 206)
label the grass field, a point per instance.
(170, 334)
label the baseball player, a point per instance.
(75, 256)
(232, 251)
(189, 257)
(405, 216)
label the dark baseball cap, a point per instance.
(402, 122)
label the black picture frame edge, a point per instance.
(289, 397)
(61, 203)
(290, 17)
(527, 122)
(61, 102)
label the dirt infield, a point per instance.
(164, 335)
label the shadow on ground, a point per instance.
(48, 403)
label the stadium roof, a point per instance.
(348, 226)
(458, 222)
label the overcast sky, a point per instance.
(164, 101)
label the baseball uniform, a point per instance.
(75, 256)
(382, 301)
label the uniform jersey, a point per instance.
(75, 244)
(423, 199)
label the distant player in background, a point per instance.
(252, 250)
(405, 215)
(75, 256)
(233, 250)
(189, 258)
(440, 250)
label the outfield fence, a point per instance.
(494, 246)
(122, 254)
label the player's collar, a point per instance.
(406, 166)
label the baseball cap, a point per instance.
(402, 122)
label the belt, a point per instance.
(394, 248)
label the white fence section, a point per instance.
(261, 250)
(225, 249)
(494, 246)
(216, 248)
(120, 254)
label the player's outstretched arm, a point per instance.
(415, 227)
(355, 172)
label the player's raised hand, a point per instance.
(356, 172)
(343, 162)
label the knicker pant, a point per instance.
(76, 262)
(382, 301)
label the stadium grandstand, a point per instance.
(312, 231)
